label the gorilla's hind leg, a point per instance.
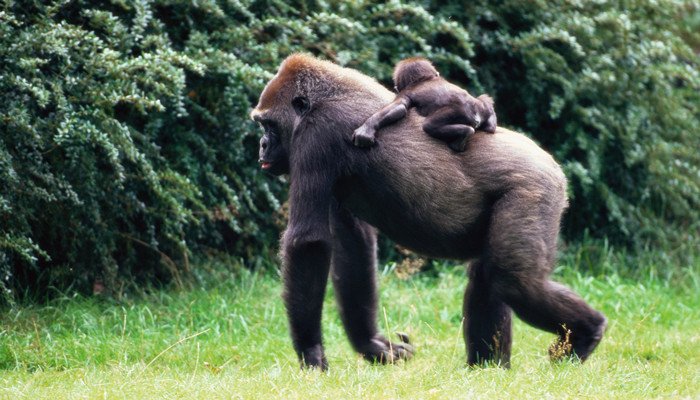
(487, 321)
(520, 255)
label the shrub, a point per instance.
(125, 145)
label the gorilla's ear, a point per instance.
(301, 105)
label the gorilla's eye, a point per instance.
(268, 125)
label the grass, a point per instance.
(227, 338)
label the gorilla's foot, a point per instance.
(380, 350)
(585, 346)
(313, 357)
(578, 346)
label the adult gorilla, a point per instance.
(499, 202)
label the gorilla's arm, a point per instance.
(365, 135)
(307, 248)
(354, 276)
(307, 243)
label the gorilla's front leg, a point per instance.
(354, 277)
(305, 274)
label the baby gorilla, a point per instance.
(451, 114)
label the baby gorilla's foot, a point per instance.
(459, 145)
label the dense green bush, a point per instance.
(125, 143)
(126, 148)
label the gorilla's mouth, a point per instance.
(265, 165)
(273, 167)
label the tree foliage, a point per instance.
(126, 147)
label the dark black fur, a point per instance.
(451, 113)
(499, 202)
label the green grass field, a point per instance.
(227, 338)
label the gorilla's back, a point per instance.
(398, 193)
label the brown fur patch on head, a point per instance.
(289, 68)
(413, 70)
(329, 79)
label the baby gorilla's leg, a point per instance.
(455, 135)
(446, 124)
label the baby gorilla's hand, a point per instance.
(363, 136)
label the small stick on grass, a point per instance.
(391, 350)
(38, 339)
(196, 365)
(461, 328)
(173, 345)
(164, 351)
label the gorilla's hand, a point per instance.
(313, 357)
(381, 350)
(363, 136)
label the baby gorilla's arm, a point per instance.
(365, 135)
